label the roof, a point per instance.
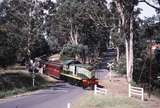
(67, 62)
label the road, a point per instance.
(56, 96)
(101, 68)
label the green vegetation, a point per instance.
(72, 50)
(101, 101)
(83, 29)
(120, 67)
(15, 83)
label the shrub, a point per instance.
(120, 67)
(14, 83)
(71, 51)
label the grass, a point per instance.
(19, 82)
(99, 101)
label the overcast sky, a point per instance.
(147, 10)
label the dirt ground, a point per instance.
(118, 86)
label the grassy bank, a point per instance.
(20, 82)
(99, 101)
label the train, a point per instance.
(72, 71)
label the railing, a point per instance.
(98, 90)
(136, 91)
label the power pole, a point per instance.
(150, 64)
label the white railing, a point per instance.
(98, 90)
(136, 91)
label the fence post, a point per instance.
(110, 74)
(95, 89)
(105, 91)
(132, 90)
(68, 105)
(129, 90)
(142, 98)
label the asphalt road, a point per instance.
(56, 96)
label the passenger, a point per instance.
(30, 66)
(41, 68)
(36, 65)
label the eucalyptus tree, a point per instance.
(22, 21)
(126, 10)
(11, 23)
(83, 22)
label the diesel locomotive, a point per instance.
(73, 72)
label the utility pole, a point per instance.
(31, 15)
(150, 64)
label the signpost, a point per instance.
(33, 78)
(110, 65)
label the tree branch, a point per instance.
(151, 5)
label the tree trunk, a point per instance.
(71, 34)
(126, 14)
(127, 58)
(131, 51)
(117, 48)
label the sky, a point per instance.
(147, 11)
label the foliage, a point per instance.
(71, 50)
(8, 48)
(77, 14)
(142, 56)
(120, 67)
(15, 83)
(21, 31)
(41, 27)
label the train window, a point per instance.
(74, 62)
(75, 70)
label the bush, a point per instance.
(120, 67)
(71, 51)
(14, 83)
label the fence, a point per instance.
(99, 90)
(136, 91)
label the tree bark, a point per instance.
(126, 14)
(131, 50)
(117, 48)
(127, 58)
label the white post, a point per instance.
(105, 91)
(95, 89)
(129, 90)
(110, 75)
(33, 78)
(142, 98)
(68, 105)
